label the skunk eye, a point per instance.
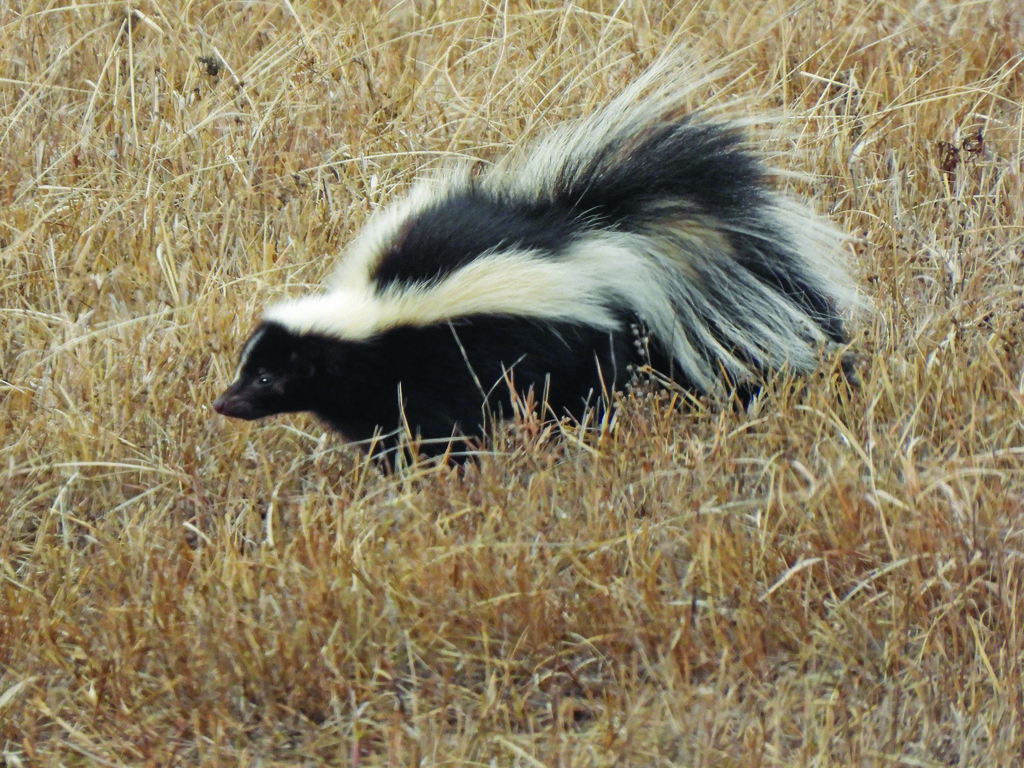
(263, 380)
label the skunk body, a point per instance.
(544, 272)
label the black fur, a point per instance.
(456, 230)
(700, 168)
(439, 380)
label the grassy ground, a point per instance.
(821, 581)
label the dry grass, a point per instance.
(822, 581)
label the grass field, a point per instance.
(819, 581)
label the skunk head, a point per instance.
(275, 375)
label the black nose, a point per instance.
(236, 405)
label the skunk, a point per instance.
(639, 237)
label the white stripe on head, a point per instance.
(243, 358)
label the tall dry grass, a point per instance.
(820, 581)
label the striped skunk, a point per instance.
(546, 271)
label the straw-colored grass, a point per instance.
(818, 581)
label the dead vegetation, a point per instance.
(819, 581)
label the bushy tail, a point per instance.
(734, 277)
